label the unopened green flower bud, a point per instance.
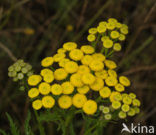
(101, 107)
(15, 79)
(30, 73)
(11, 68)
(24, 70)
(12, 74)
(106, 110)
(17, 68)
(20, 76)
(28, 66)
(22, 88)
(108, 116)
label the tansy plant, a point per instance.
(85, 82)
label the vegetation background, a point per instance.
(34, 29)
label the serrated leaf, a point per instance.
(13, 127)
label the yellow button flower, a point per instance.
(103, 23)
(136, 102)
(79, 100)
(96, 65)
(92, 30)
(131, 112)
(33, 80)
(111, 25)
(101, 74)
(114, 34)
(60, 74)
(124, 30)
(127, 100)
(116, 104)
(71, 67)
(83, 69)
(119, 87)
(132, 95)
(101, 28)
(110, 64)
(76, 54)
(105, 92)
(118, 25)
(86, 60)
(98, 56)
(56, 89)
(48, 101)
(122, 37)
(61, 50)
(37, 104)
(46, 71)
(46, 62)
(88, 78)
(97, 85)
(124, 81)
(58, 57)
(75, 80)
(44, 88)
(48, 78)
(83, 90)
(33, 92)
(65, 102)
(107, 43)
(122, 115)
(113, 96)
(90, 107)
(111, 81)
(69, 46)
(112, 73)
(104, 38)
(63, 62)
(125, 108)
(87, 49)
(117, 47)
(91, 38)
(68, 88)
(113, 20)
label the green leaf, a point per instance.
(13, 127)
(27, 128)
(3, 132)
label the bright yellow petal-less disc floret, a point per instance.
(60, 74)
(90, 107)
(88, 78)
(63, 62)
(58, 57)
(37, 104)
(83, 90)
(71, 67)
(97, 85)
(124, 81)
(48, 101)
(68, 88)
(105, 92)
(69, 46)
(92, 30)
(91, 38)
(44, 88)
(87, 49)
(48, 61)
(75, 80)
(101, 74)
(79, 100)
(56, 89)
(65, 102)
(46, 71)
(111, 81)
(98, 56)
(33, 80)
(33, 92)
(87, 59)
(119, 87)
(96, 65)
(48, 78)
(83, 69)
(110, 64)
(76, 54)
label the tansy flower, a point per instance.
(110, 25)
(119, 87)
(44, 88)
(125, 108)
(88, 78)
(46, 71)
(124, 80)
(117, 47)
(112, 20)
(90, 107)
(101, 29)
(131, 112)
(83, 90)
(107, 116)
(63, 62)
(112, 73)
(101, 74)
(61, 50)
(96, 65)
(107, 43)
(132, 95)
(113, 95)
(75, 80)
(83, 69)
(122, 37)
(71, 67)
(104, 38)
(105, 92)
(127, 100)
(79, 100)
(56, 89)
(98, 56)
(33, 92)
(76, 54)
(117, 97)
(136, 102)
(137, 110)
(92, 30)
(58, 57)
(48, 101)
(116, 104)
(37, 104)
(118, 25)
(114, 34)
(46, 62)
(105, 110)
(33, 80)
(68, 88)
(110, 64)
(48, 78)
(122, 115)
(86, 59)
(124, 30)
(60, 74)
(97, 85)
(91, 38)
(69, 46)
(65, 102)
(87, 49)
(103, 23)
(111, 81)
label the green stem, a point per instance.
(41, 129)
(110, 53)
(90, 129)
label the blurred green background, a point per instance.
(34, 29)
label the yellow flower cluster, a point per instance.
(111, 33)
